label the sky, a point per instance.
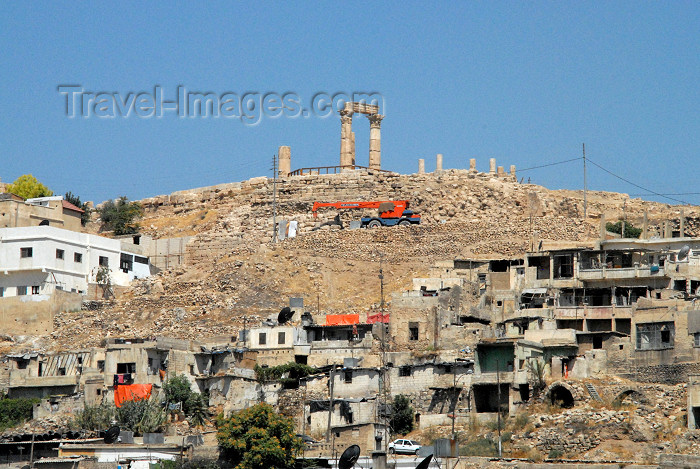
(526, 83)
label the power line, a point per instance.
(635, 184)
(549, 164)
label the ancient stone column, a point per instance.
(501, 172)
(375, 141)
(438, 162)
(345, 137)
(512, 170)
(352, 148)
(492, 166)
(472, 164)
(284, 155)
(421, 166)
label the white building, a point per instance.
(37, 260)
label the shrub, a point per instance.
(97, 417)
(630, 230)
(555, 453)
(141, 416)
(485, 447)
(15, 411)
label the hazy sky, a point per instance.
(524, 82)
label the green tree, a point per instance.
(401, 415)
(630, 230)
(177, 389)
(29, 187)
(120, 215)
(75, 200)
(258, 438)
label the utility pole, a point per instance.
(498, 409)
(382, 370)
(585, 185)
(330, 404)
(274, 198)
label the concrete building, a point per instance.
(38, 260)
(16, 212)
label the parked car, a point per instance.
(404, 446)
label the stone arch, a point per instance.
(630, 392)
(561, 395)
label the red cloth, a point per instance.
(131, 392)
(378, 317)
(342, 319)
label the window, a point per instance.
(104, 261)
(101, 365)
(137, 239)
(77, 257)
(262, 338)
(696, 341)
(126, 368)
(348, 376)
(280, 338)
(564, 266)
(21, 291)
(35, 289)
(25, 252)
(62, 371)
(60, 253)
(405, 371)
(141, 260)
(655, 336)
(2, 292)
(412, 331)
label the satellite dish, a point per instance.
(683, 253)
(112, 434)
(285, 315)
(425, 462)
(349, 457)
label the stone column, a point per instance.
(438, 162)
(472, 164)
(512, 170)
(421, 166)
(492, 166)
(345, 137)
(352, 148)
(375, 141)
(284, 155)
(501, 172)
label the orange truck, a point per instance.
(389, 212)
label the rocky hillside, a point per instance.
(234, 273)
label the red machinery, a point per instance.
(390, 212)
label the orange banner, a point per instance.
(342, 319)
(131, 392)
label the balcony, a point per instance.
(19, 379)
(609, 273)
